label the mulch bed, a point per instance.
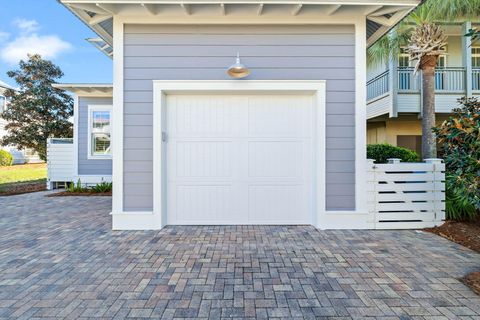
(467, 234)
(473, 281)
(21, 188)
(79, 194)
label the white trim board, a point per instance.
(91, 109)
(76, 108)
(317, 88)
(117, 117)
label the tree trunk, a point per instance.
(429, 141)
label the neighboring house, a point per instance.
(394, 93)
(191, 145)
(19, 156)
(87, 157)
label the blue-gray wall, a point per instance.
(89, 166)
(155, 52)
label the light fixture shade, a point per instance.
(238, 70)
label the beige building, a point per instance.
(394, 92)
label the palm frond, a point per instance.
(431, 11)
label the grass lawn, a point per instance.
(21, 178)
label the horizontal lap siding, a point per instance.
(155, 52)
(90, 166)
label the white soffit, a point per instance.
(381, 15)
(86, 89)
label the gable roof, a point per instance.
(381, 15)
(4, 85)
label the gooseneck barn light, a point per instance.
(238, 70)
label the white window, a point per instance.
(476, 57)
(404, 59)
(99, 131)
(3, 104)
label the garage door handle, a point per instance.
(164, 137)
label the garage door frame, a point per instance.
(162, 88)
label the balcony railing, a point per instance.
(447, 80)
(378, 86)
(476, 79)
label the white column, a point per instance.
(393, 85)
(467, 58)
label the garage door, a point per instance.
(239, 159)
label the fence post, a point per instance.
(372, 191)
(439, 195)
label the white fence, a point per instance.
(407, 195)
(60, 162)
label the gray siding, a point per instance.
(89, 166)
(154, 52)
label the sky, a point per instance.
(48, 28)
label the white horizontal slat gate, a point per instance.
(407, 195)
(60, 161)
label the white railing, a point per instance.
(447, 80)
(450, 80)
(476, 79)
(60, 161)
(406, 195)
(378, 86)
(408, 81)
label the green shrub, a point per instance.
(460, 137)
(76, 187)
(458, 206)
(382, 152)
(6, 158)
(102, 187)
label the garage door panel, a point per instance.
(203, 159)
(278, 204)
(203, 204)
(203, 116)
(249, 161)
(264, 159)
(282, 116)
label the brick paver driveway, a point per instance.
(59, 258)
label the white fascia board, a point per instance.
(321, 2)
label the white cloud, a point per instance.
(4, 36)
(26, 26)
(30, 42)
(49, 47)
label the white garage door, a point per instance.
(243, 159)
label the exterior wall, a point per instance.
(387, 131)
(376, 133)
(90, 166)
(410, 102)
(154, 52)
(379, 106)
(454, 52)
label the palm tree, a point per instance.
(425, 40)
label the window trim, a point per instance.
(475, 55)
(91, 109)
(404, 54)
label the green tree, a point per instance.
(424, 40)
(36, 111)
(460, 137)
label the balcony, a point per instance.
(450, 85)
